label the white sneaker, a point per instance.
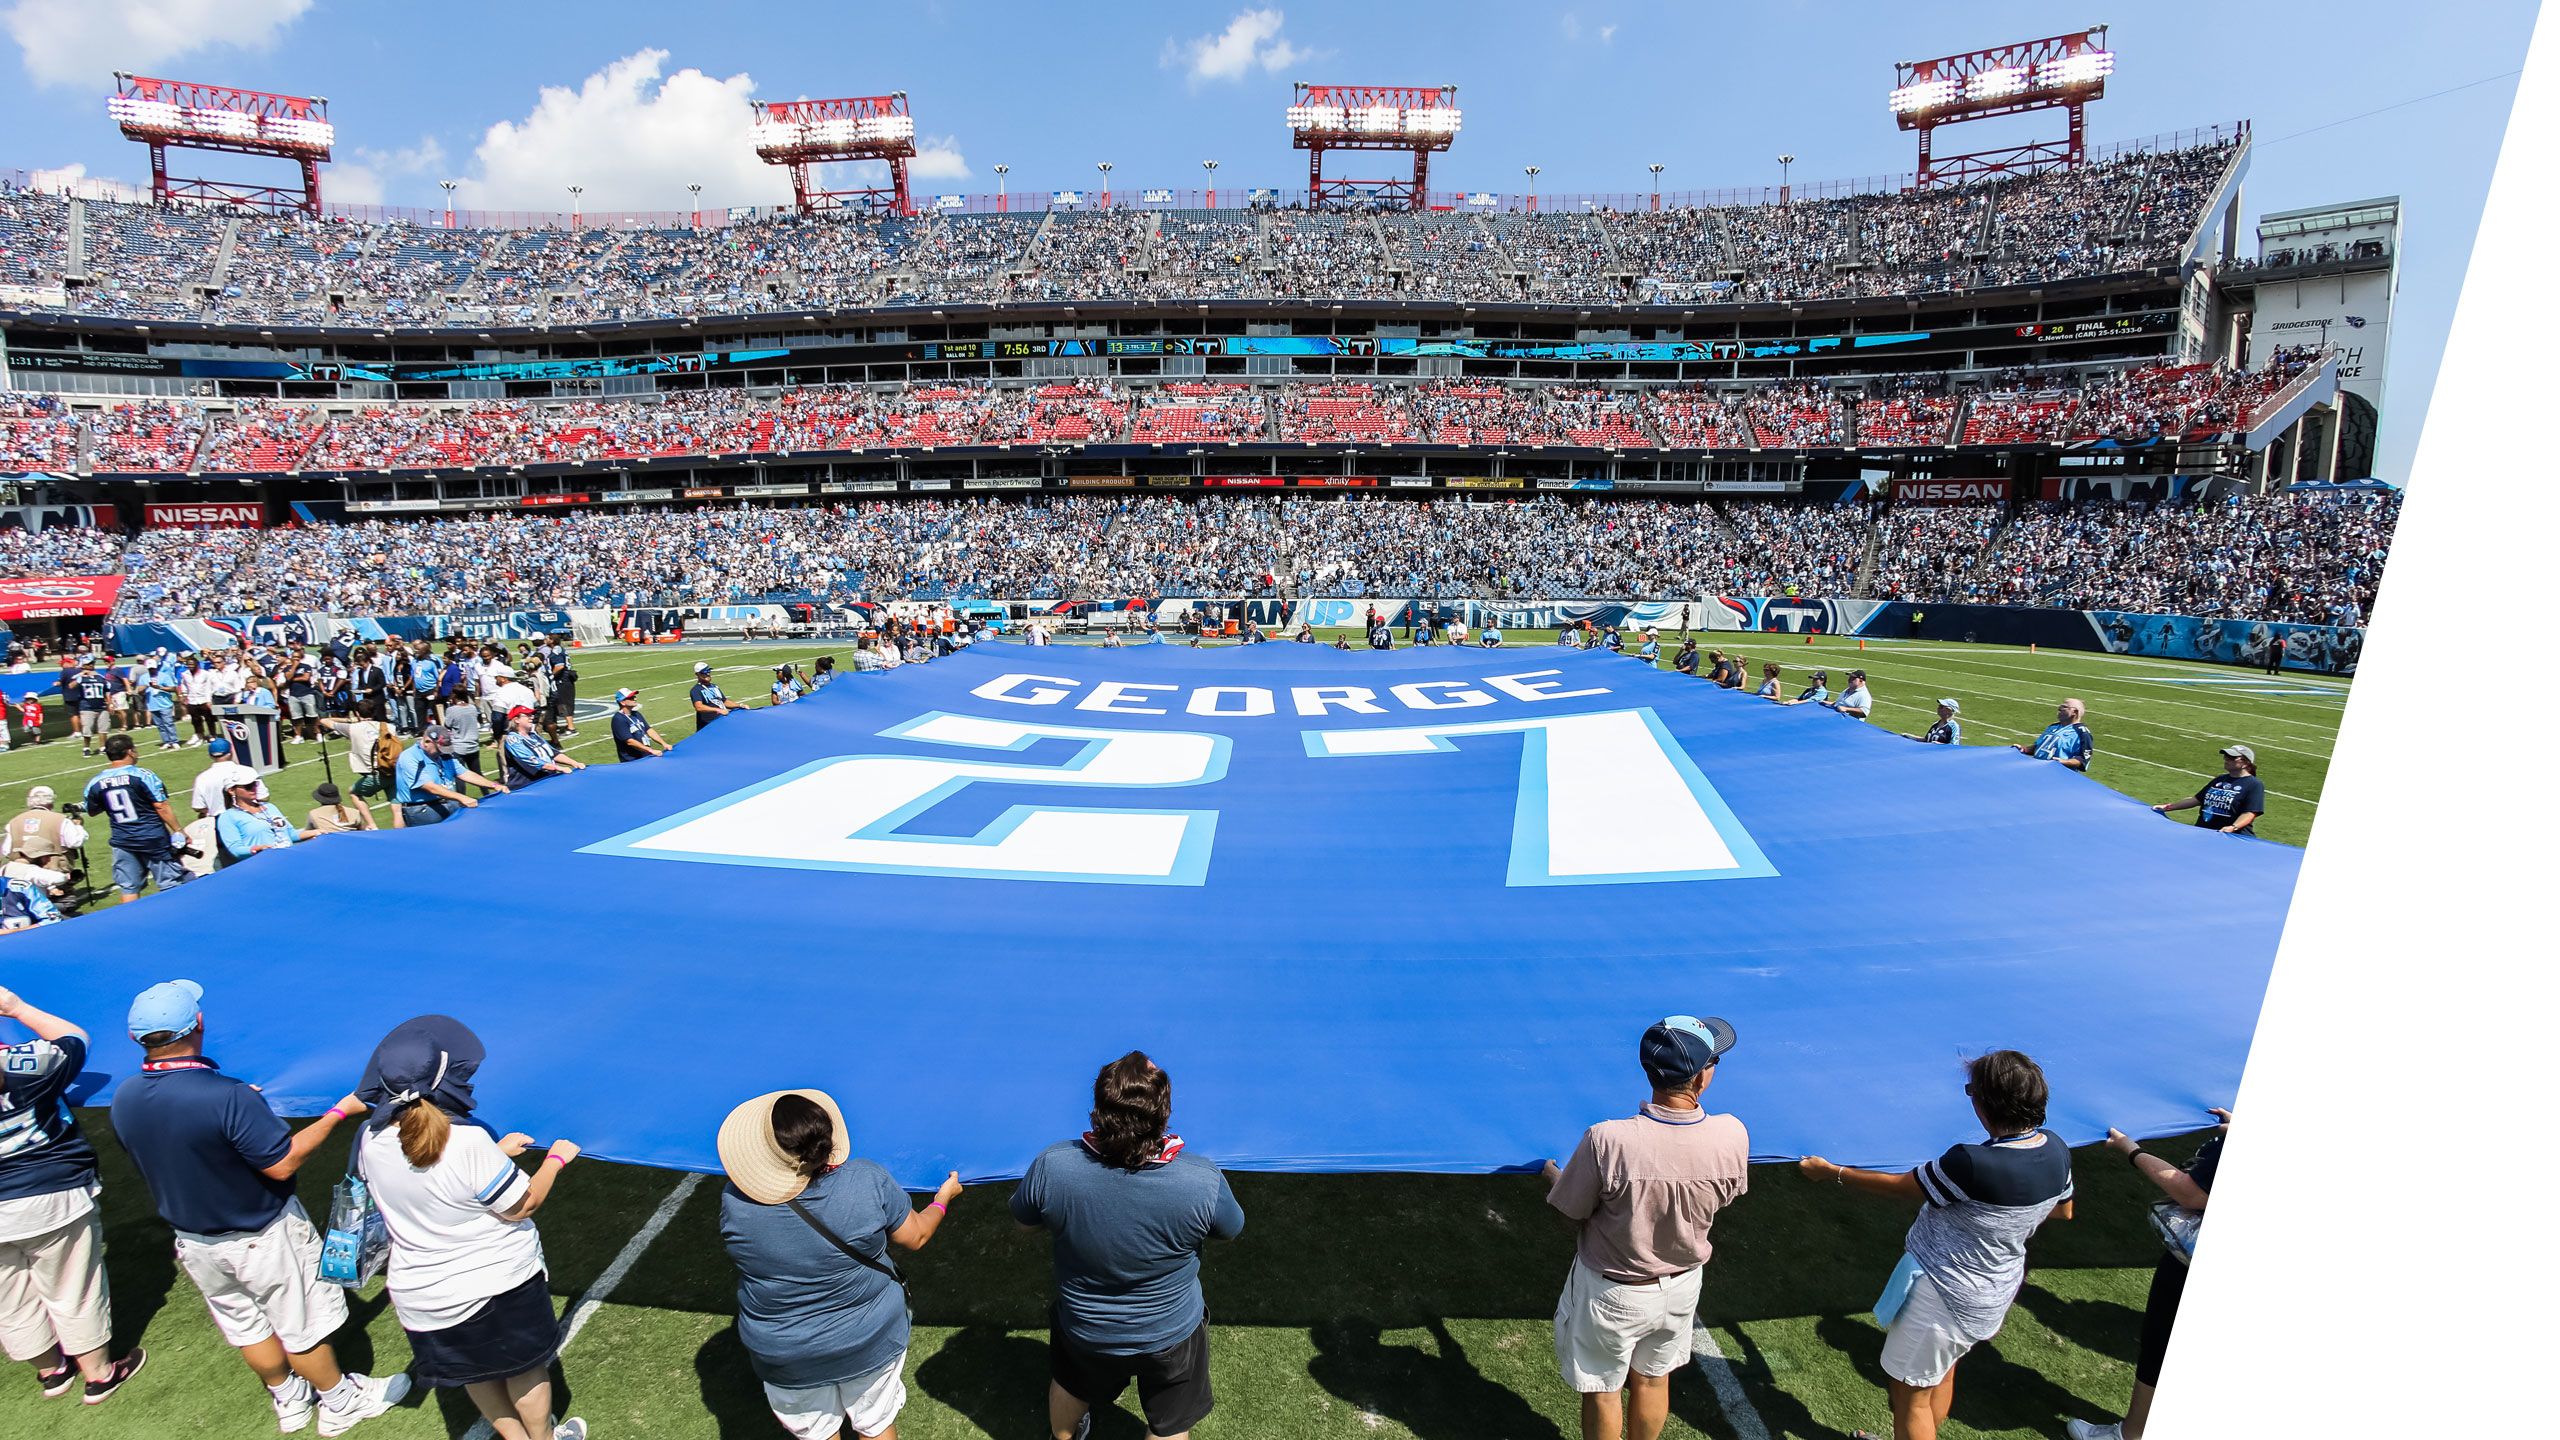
(374, 1394)
(572, 1428)
(2083, 1430)
(293, 1412)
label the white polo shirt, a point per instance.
(1857, 698)
(212, 792)
(450, 1253)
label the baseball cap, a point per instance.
(2243, 751)
(625, 693)
(217, 746)
(436, 735)
(702, 667)
(1950, 706)
(174, 1006)
(1678, 1047)
(39, 797)
(249, 783)
(519, 710)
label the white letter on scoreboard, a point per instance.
(1607, 798)
(846, 813)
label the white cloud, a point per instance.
(634, 136)
(75, 179)
(1608, 33)
(938, 157)
(361, 178)
(1251, 41)
(78, 42)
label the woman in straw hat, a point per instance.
(822, 1308)
(467, 1276)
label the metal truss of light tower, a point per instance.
(190, 115)
(2060, 72)
(1417, 119)
(802, 134)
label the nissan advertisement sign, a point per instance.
(209, 515)
(1992, 491)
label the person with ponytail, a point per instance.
(1128, 1212)
(466, 1277)
(822, 1308)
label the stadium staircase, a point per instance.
(1867, 561)
(75, 254)
(1023, 264)
(222, 256)
(1729, 265)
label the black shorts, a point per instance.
(1173, 1383)
(2168, 1285)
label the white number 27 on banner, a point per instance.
(1604, 798)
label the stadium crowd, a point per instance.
(249, 437)
(2277, 557)
(2134, 210)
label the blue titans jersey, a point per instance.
(2066, 742)
(126, 795)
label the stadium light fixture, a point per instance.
(448, 186)
(1105, 167)
(803, 134)
(1001, 172)
(696, 191)
(1418, 120)
(1656, 168)
(1786, 166)
(191, 115)
(2059, 72)
(1212, 167)
(577, 211)
(1532, 172)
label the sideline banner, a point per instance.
(1059, 855)
(59, 597)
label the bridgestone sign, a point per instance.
(235, 515)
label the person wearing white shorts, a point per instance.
(1646, 1189)
(868, 1403)
(220, 1167)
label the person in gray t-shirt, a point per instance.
(1128, 1212)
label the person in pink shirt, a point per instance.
(1645, 1189)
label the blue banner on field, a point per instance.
(1404, 911)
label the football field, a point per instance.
(1353, 1306)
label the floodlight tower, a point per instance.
(805, 133)
(1418, 119)
(2060, 72)
(190, 115)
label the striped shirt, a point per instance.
(1984, 1200)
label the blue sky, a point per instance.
(635, 100)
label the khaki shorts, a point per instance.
(266, 1284)
(1924, 1343)
(1606, 1327)
(869, 1403)
(53, 1291)
(92, 722)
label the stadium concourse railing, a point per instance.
(1736, 620)
(1032, 200)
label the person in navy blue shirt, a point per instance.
(89, 689)
(2066, 741)
(2232, 801)
(220, 1165)
(633, 736)
(710, 702)
(139, 823)
(1128, 1212)
(53, 1239)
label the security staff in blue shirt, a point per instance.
(2066, 741)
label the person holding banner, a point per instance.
(1966, 1255)
(467, 1276)
(253, 826)
(427, 783)
(529, 755)
(2183, 1188)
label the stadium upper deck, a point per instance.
(2138, 212)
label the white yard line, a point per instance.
(2115, 758)
(603, 1289)
(1738, 1410)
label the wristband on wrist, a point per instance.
(2133, 1157)
(337, 1114)
(558, 1158)
(938, 1205)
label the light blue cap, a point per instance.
(171, 1006)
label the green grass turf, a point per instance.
(1355, 1306)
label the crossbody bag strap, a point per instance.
(882, 1266)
